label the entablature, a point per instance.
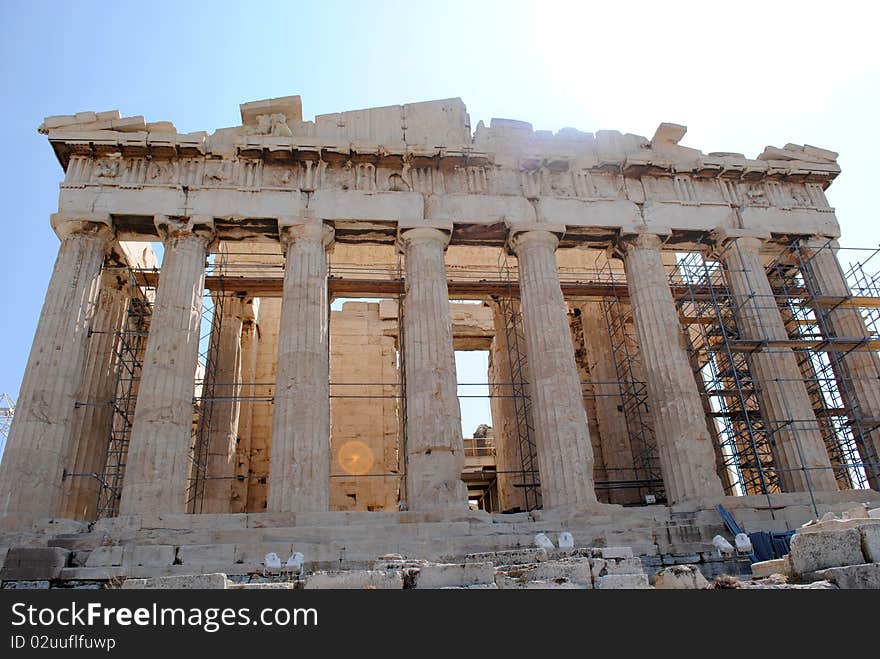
(370, 171)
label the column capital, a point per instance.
(818, 242)
(98, 225)
(406, 237)
(746, 239)
(310, 231)
(639, 241)
(524, 239)
(170, 226)
(250, 307)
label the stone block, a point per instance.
(280, 585)
(439, 575)
(479, 586)
(256, 553)
(76, 541)
(148, 555)
(816, 551)
(105, 557)
(623, 582)
(509, 557)
(60, 526)
(871, 542)
(33, 563)
(355, 579)
(208, 554)
(613, 552)
(505, 582)
(680, 577)
(576, 570)
(852, 577)
(27, 585)
(601, 567)
(774, 566)
(92, 573)
(215, 581)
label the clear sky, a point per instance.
(740, 75)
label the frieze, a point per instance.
(309, 175)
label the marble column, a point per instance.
(434, 446)
(226, 406)
(857, 371)
(159, 453)
(687, 458)
(565, 454)
(613, 433)
(243, 471)
(299, 467)
(40, 437)
(508, 447)
(92, 419)
(798, 446)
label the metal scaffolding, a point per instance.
(708, 317)
(515, 342)
(130, 347)
(633, 392)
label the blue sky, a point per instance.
(741, 77)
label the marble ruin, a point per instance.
(666, 330)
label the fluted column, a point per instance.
(40, 437)
(226, 406)
(614, 438)
(687, 458)
(91, 420)
(434, 446)
(565, 454)
(857, 371)
(508, 447)
(299, 468)
(249, 342)
(799, 449)
(158, 463)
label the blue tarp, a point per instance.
(767, 546)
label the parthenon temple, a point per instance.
(248, 342)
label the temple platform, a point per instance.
(75, 554)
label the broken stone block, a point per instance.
(601, 567)
(774, 566)
(105, 557)
(215, 581)
(576, 570)
(856, 512)
(871, 542)
(816, 551)
(680, 577)
(206, 554)
(148, 555)
(623, 582)
(509, 557)
(33, 563)
(512, 583)
(279, 585)
(852, 577)
(439, 575)
(355, 579)
(27, 585)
